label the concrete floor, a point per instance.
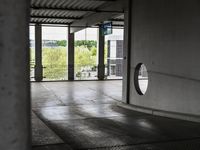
(84, 115)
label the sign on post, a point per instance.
(106, 28)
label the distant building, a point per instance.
(115, 57)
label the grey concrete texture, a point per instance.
(165, 37)
(14, 75)
(101, 45)
(38, 53)
(71, 53)
(126, 56)
(41, 134)
(102, 125)
(75, 93)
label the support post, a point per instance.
(15, 133)
(70, 55)
(38, 53)
(108, 60)
(127, 54)
(101, 66)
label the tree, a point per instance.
(62, 43)
(94, 51)
(55, 63)
(54, 59)
(84, 59)
(86, 43)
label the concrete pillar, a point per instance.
(101, 66)
(70, 55)
(126, 54)
(14, 75)
(38, 53)
(108, 60)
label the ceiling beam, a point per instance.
(114, 25)
(95, 18)
(103, 0)
(70, 18)
(67, 24)
(118, 20)
(73, 9)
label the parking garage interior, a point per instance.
(99, 75)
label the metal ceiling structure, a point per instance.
(74, 12)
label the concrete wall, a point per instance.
(165, 37)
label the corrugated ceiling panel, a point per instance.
(73, 4)
(41, 20)
(58, 13)
(81, 4)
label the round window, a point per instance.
(141, 79)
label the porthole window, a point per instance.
(141, 79)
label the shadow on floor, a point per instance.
(84, 115)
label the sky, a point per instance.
(60, 33)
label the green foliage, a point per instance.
(94, 51)
(55, 63)
(87, 43)
(32, 57)
(105, 53)
(54, 59)
(61, 43)
(85, 61)
(84, 58)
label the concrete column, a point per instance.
(126, 54)
(70, 55)
(38, 53)
(108, 60)
(101, 66)
(14, 75)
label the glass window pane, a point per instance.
(86, 54)
(32, 51)
(54, 53)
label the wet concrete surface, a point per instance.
(84, 115)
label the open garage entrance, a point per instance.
(89, 93)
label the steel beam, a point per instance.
(117, 20)
(73, 9)
(95, 18)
